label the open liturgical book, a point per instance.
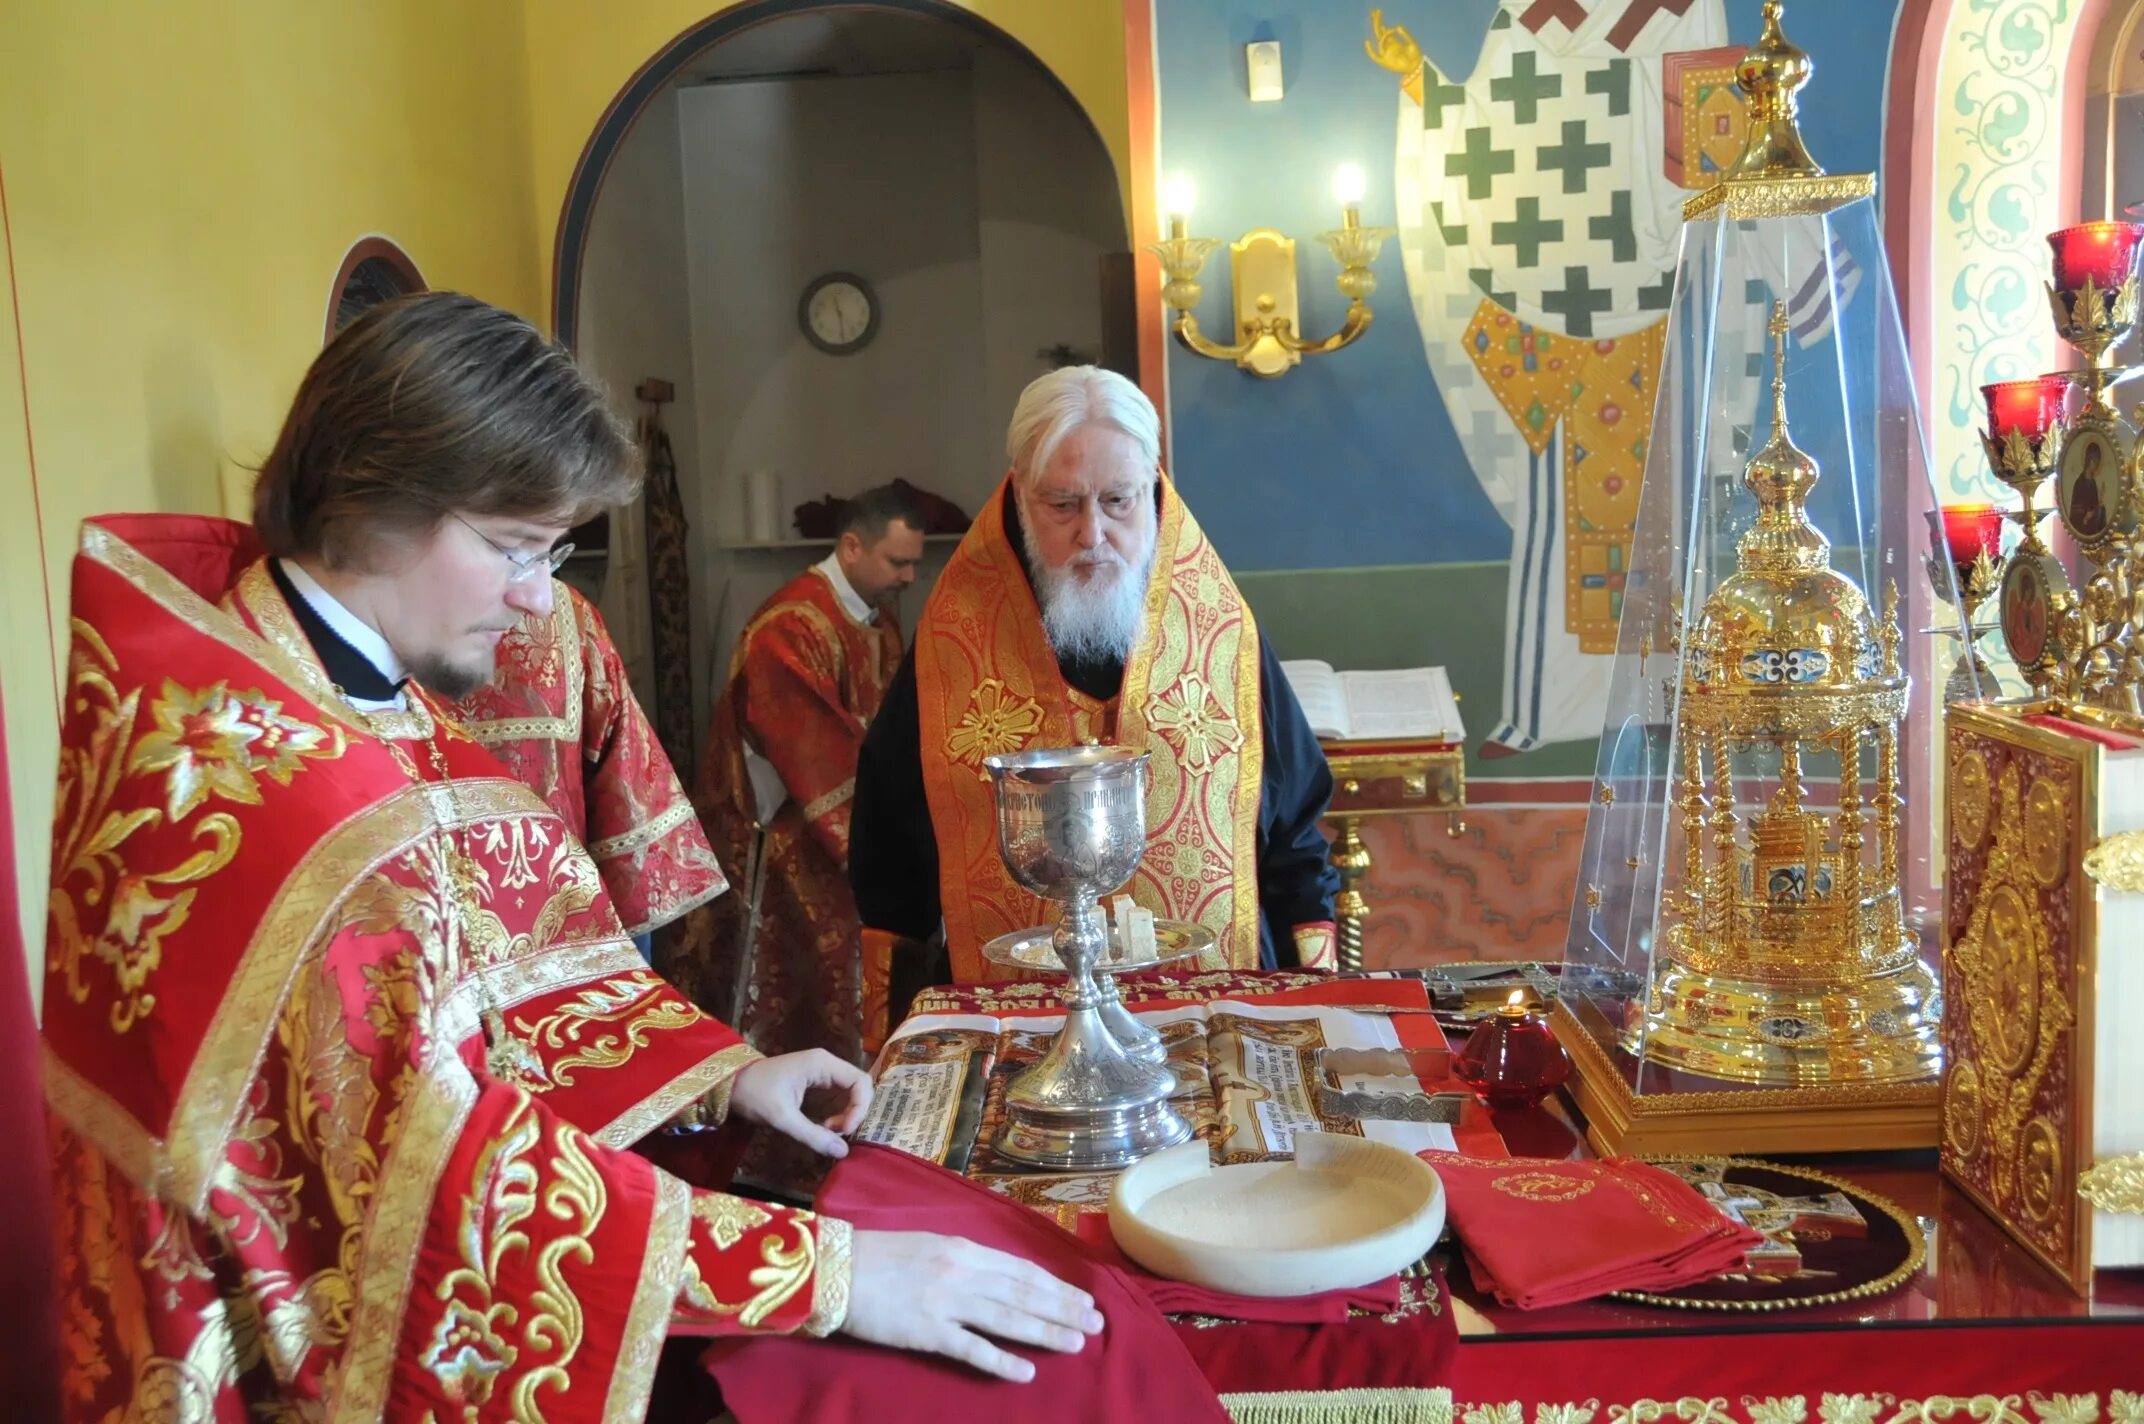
(1399, 705)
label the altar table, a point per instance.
(1980, 1332)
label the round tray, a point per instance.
(1345, 1212)
(1836, 1261)
(1031, 949)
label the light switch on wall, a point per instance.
(1264, 60)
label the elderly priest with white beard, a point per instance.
(1084, 607)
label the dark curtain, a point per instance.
(669, 600)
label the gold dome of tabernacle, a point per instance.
(1786, 624)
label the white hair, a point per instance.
(1054, 406)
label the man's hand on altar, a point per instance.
(916, 1290)
(774, 1092)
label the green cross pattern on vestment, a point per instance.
(1454, 234)
(1613, 227)
(1524, 88)
(1481, 163)
(1574, 157)
(1527, 231)
(1437, 96)
(1578, 302)
(1612, 79)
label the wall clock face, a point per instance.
(839, 313)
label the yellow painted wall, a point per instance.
(581, 55)
(182, 179)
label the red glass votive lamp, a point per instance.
(1512, 1060)
(1966, 531)
(2030, 407)
(2103, 252)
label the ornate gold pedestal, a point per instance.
(1384, 779)
(1720, 1118)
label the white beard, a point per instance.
(1098, 618)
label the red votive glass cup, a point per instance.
(1512, 1060)
(2031, 406)
(2104, 252)
(1966, 531)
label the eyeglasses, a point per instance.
(526, 566)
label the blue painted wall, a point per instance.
(1348, 460)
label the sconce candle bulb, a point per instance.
(1178, 196)
(1349, 186)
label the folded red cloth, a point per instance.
(1541, 1232)
(1184, 1298)
(1136, 1368)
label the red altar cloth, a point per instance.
(1141, 1366)
(1136, 1368)
(1709, 1360)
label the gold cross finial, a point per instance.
(1779, 366)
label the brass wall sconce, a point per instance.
(1262, 276)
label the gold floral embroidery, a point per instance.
(516, 842)
(993, 724)
(470, 1350)
(639, 1001)
(215, 740)
(1194, 723)
(1541, 1186)
(210, 742)
(727, 1218)
(783, 1276)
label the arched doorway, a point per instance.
(903, 158)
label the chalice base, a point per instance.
(1092, 1140)
(1883, 1028)
(1134, 1037)
(1089, 1105)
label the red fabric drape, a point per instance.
(1709, 1359)
(1135, 1369)
(29, 1378)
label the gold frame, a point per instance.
(1834, 1117)
(2008, 724)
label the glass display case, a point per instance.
(1749, 963)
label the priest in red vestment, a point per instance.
(781, 959)
(1086, 606)
(560, 712)
(344, 1041)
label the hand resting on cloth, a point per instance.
(1135, 1368)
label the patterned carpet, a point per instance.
(1499, 890)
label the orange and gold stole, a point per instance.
(987, 682)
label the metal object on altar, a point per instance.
(1034, 951)
(1788, 957)
(1748, 965)
(1071, 828)
(1385, 1084)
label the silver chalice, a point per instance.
(1071, 827)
